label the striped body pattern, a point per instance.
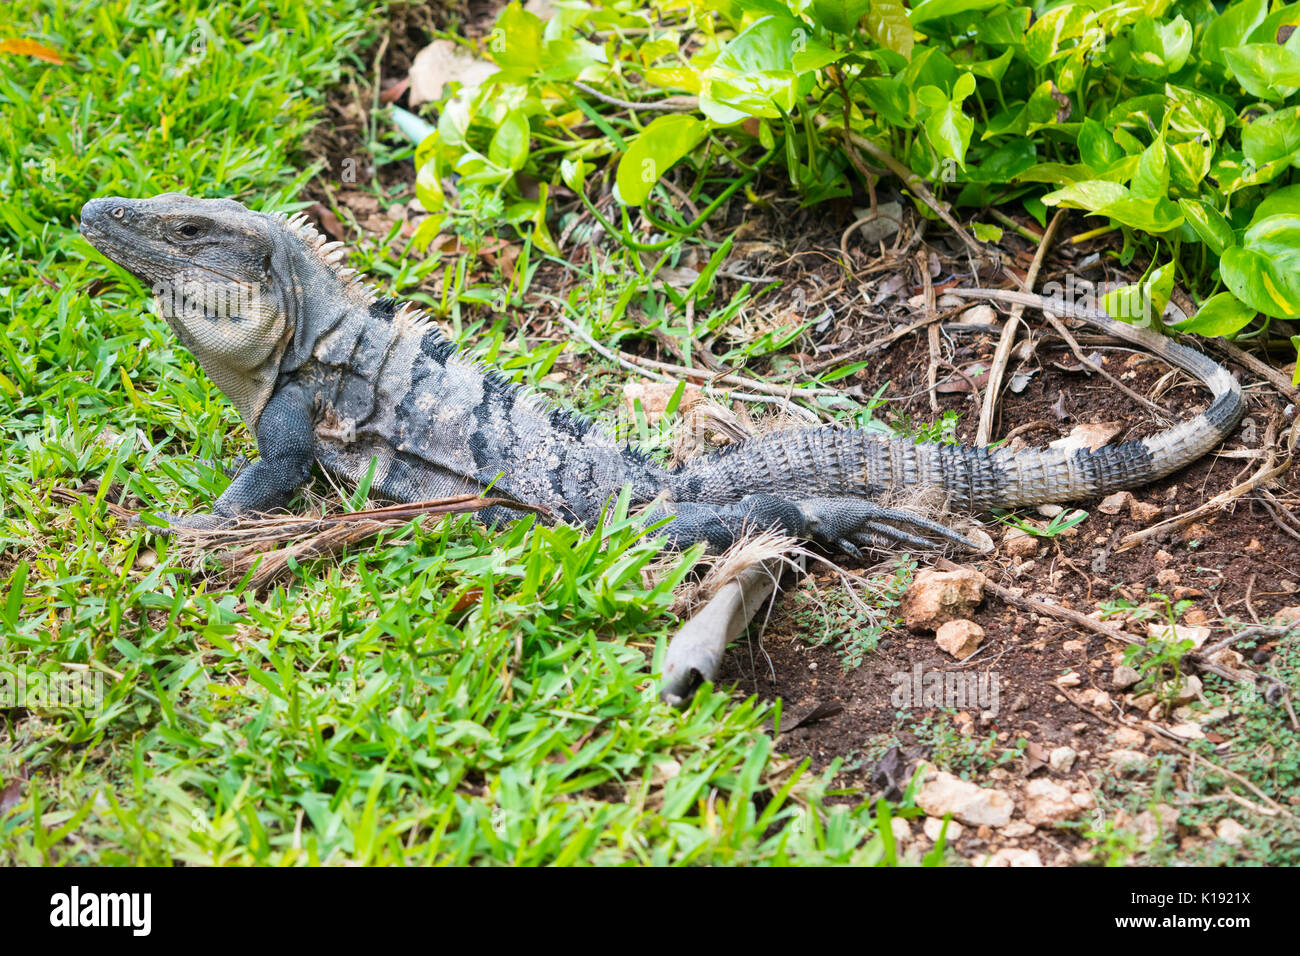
(325, 373)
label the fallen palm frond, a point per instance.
(724, 603)
(248, 544)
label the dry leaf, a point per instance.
(443, 62)
(1091, 436)
(31, 48)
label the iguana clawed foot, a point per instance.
(853, 524)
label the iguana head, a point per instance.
(228, 280)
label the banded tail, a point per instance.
(816, 462)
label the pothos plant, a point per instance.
(1174, 122)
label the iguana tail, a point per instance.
(817, 462)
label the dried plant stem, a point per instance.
(1002, 354)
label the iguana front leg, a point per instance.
(286, 445)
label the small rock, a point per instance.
(1196, 617)
(1114, 504)
(1153, 825)
(1163, 557)
(1288, 615)
(1145, 701)
(1017, 829)
(1230, 831)
(943, 794)
(1228, 658)
(1019, 543)
(1010, 856)
(1194, 532)
(934, 825)
(902, 829)
(1075, 646)
(1128, 761)
(1096, 699)
(1069, 680)
(1179, 632)
(1144, 512)
(1168, 577)
(1124, 676)
(1129, 738)
(655, 396)
(960, 638)
(978, 315)
(936, 597)
(1023, 568)
(1062, 759)
(1049, 511)
(1187, 730)
(1047, 802)
(1179, 692)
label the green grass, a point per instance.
(444, 696)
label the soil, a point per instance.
(1237, 564)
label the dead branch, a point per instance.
(1002, 354)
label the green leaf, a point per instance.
(1149, 215)
(1091, 195)
(753, 76)
(928, 10)
(428, 187)
(1223, 314)
(1273, 138)
(515, 44)
(888, 25)
(1208, 224)
(509, 148)
(1265, 70)
(1232, 28)
(1264, 271)
(1143, 302)
(1097, 147)
(840, 16)
(947, 127)
(1280, 202)
(653, 153)
(1295, 376)
(1152, 178)
(1161, 48)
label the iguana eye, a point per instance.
(188, 230)
(119, 212)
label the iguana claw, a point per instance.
(853, 524)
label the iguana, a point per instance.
(326, 373)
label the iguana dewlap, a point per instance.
(325, 373)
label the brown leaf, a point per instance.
(1036, 757)
(1091, 435)
(393, 92)
(31, 48)
(328, 221)
(443, 62)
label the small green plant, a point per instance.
(1054, 527)
(1171, 122)
(853, 625)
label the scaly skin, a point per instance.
(326, 374)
